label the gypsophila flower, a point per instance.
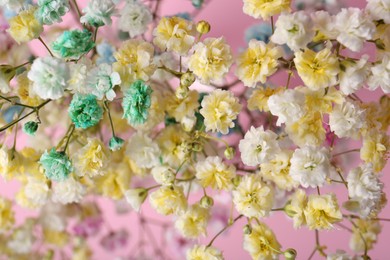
(364, 235)
(135, 18)
(147, 157)
(295, 30)
(353, 74)
(98, 12)
(354, 27)
(14, 5)
(204, 252)
(136, 103)
(57, 165)
(30, 128)
(380, 75)
(92, 159)
(49, 76)
(168, 200)
(310, 166)
(252, 197)
(68, 191)
(84, 111)
(73, 44)
(378, 10)
(135, 197)
(211, 60)
(51, 11)
(105, 52)
(219, 109)
(116, 143)
(101, 81)
(258, 146)
(24, 27)
(7, 215)
(265, 8)
(214, 173)
(193, 222)
(174, 34)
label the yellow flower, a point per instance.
(211, 60)
(322, 100)
(317, 70)
(261, 243)
(10, 162)
(134, 61)
(168, 200)
(179, 108)
(258, 62)
(214, 173)
(7, 218)
(322, 211)
(375, 149)
(174, 34)
(204, 253)
(54, 237)
(252, 197)
(277, 170)
(91, 159)
(308, 130)
(24, 27)
(193, 222)
(295, 208)
(219, 109)
(174, 145)
(265, 8)
(24, 90)
(82, 252)
(115, 182)
(367, 230)
(259, 98)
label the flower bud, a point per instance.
(30, 128)
(168, 176)
(236, 180)
(290, 254)
(203, 27)
(187, 79)
(7, 72)
(135, 197)
(229, 153)
(288, 209)
(247, 229)
(182, 92)
(116, 143)
(206, 202)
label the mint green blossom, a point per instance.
(136, 103)
(116, 143)
(30, 127)
(73, 44)
(84, 111)
(51, 11)
(57, 165)
(98, 12)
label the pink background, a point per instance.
(227, 19)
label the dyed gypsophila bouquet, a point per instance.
(154, 116)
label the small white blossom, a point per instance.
(258, 146)
(134, 18)
(379, 10)
(98, 12)
(354, 74)
(101, 81)
(143, 150)
(380, 76)
(36, 191)
(288, 106)
(135, 197)
(354, 27)
(49, 76)
(310, 166)
(163, 174)
(295, 30)
(68, 191)
(346, 120)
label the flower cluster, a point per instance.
(168, 116)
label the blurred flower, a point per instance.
(24, 27)
(105, 52)
(204, 252)
(57, 165)
(135, 18)
(115, 240)
(89, 226)
(73, 44)
(265, 8)
(98, 12)
(50, 11)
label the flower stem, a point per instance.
(224, 229)
(109, 117)
(69, 136)
(44, 44)
(16, 103)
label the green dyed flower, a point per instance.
(136, 103)
(84, 111)
(73, 44)
(50, 11)
(116, 143)
(30, 127)
(56, 164)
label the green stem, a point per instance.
(69, 136)
(15, 103)
(44, 44)
(345, 152)
(109, 117)
(223, 230)
(77, 8)
(272, 24)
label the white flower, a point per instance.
(353, 75)
(258, 146)
(363, 183)
(379, 10)
(101, 81)
(347, 119)
(288, 106)
(14, 5)
(135, 18)
(49, 76)
(354, 28)
(215, 173)
(324, 23)
(36, 191)
(78, 76)
(339, 255)
(163, 174)
(21, 241)
(5, 78)
(98, 12)
(380, 75)
(310, 166)
(135, 197)
(143, 150)
(52, 216)
(68, 191)
(295, 30)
